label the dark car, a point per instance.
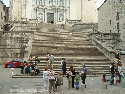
(13, 64)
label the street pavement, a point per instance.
(10, 85)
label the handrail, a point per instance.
(98, 38)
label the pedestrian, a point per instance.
(85, 69)
(12, 72)
(22, 68)
(112, 74)
(51, 59)
(51, 80)
(117, 78)
(45, 78)
(77, 80)
(83, 78)
(104, 80)
(59, 81)
(69, 77)
(73, 75)
(37, 60)
(63, 66)
(118, 54)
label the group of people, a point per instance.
(75, 77)
(116, 70)
(52, 81)
(30, 67)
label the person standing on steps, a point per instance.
(77, 80)
(51, 59)
(112, 74)
(51, 80)
(63, 66)
(69, 77)
(85, 69)
(37, 60)
(83, 78)
(73, 75)
(45, 78)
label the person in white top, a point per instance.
(13, 72)
(45, 78)
(51, 80)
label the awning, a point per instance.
(100, 3)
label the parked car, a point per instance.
(13, 64)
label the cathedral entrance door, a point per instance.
(50, 17)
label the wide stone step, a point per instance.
(77, 66)
(63, 45)
(62, 35)
(42, 63)
(26, 76)
(66, 49)
(65, 33)
(96, 67)
(61, 40)
(77, 58)
(39, 52)
(80, 69)
(60, 43)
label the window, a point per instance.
(117, 16)
(110, 22)
(1, 15)
(40, 2)
(50, 2)
(61, 2)
(110, 31)
(118, 26)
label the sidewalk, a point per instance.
(32, 85)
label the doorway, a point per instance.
(50, 17)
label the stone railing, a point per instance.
(103, 42)
(84, 26)
(72, 21)
(107, 52)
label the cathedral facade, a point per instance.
(57, 11)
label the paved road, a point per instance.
(10, 85)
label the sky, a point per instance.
(6, 2)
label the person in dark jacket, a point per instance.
(73, 75)
(83, 78)
(112, 74)
(64, 66)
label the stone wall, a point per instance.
(112, 19)
(85, 10)
(2, 14)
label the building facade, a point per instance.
(54, 10)
(51, 10)
(4, 14)
(40, 10)
(84, 10)
(111, 15)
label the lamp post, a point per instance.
(69, 9)
(81, 9)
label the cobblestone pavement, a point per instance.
(10, 85)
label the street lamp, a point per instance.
(81, 9)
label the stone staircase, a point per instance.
(75, 47)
